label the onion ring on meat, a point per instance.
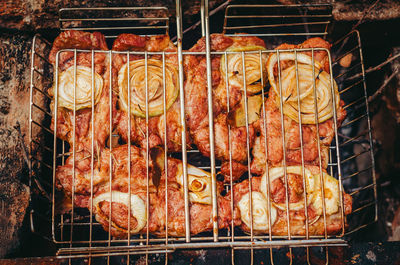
(331, 193)
(82, 85)
(155, 86)
(306, 86)
(279, 172)
(259, 209)
(138, 208)
(199, 184)
(252, 68)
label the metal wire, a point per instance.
(133, 19)
(338, 167)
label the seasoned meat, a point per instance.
(141, 176)
(275, 148)
(81, 182)
(72, 39)
(200, 215)
(297, 217)
(156, 125)
(272, 131)
(199, 188)
(101, 170)
(196, 101)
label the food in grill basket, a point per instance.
(307, 73)
(276, 215)
(225, 69)
(74, 88)
(199, 187)
(157, 69)
(200, 214)
(116, 193)
(108, 190)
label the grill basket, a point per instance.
(351, 161)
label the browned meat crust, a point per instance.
(297, 218)
(197, 107)
(81, 183)
(131, 42)
(65, 118)
(200, 215)
(273, 130)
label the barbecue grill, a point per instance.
(77, 234)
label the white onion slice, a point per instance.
(155, 86)
(259, 209)
(138, 207)
(252, 67)
(331, 193)
(199, 184)
(306, 82)
(83, 88)
(279, 172)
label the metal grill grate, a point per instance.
(112, 21)
(351, 156)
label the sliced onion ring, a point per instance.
(138, 208)
(199, 184)
(331, 193)
(278, 172)
(83, 88)
(155, 86)
(259, 209)
(252, 68)
(306, 88)
(237, 116)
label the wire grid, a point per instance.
(342, 154)
(354, 155)
(112, 21)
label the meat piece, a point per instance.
(79, 40)
(140, 177)
(72, 39)
(199, 187)
(238, 170)
(196, 65)
(238, 140)
(156, 125)
(81, 182)
(200, 215)
(199, 181)
(196, 102)
(293, 154)
(292, 148)
(297, 217)
(131, 42)
(295, 189)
